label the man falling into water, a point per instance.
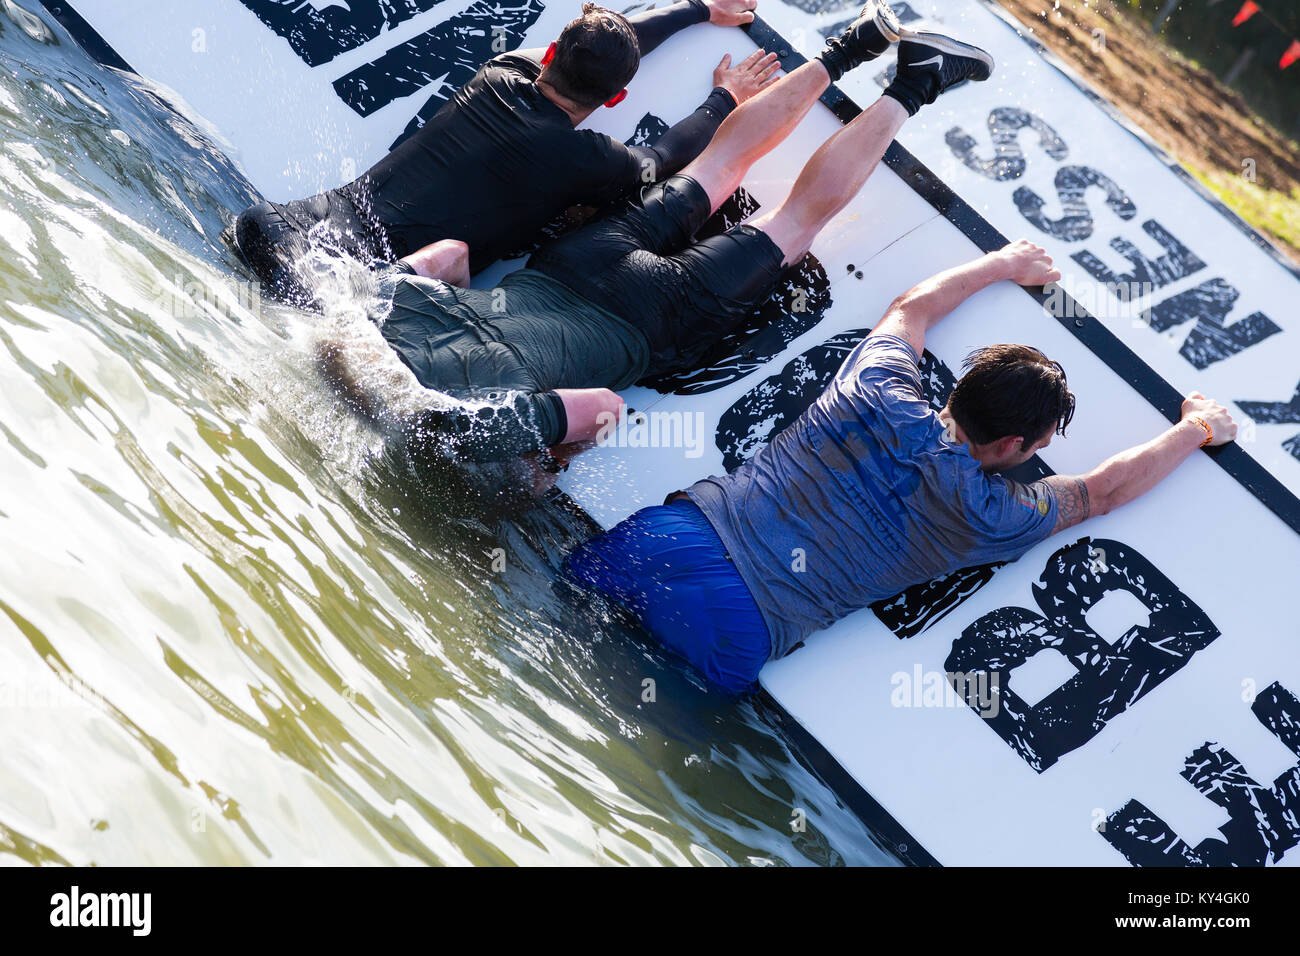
(502, 157)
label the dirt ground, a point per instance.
(1205, 125)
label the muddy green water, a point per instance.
(232, 632)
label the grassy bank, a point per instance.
(1210, 129)
(1271, 211)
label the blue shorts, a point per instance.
(668, 567)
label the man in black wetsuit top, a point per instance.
(502, 158)
(535, 362)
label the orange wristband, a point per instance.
(1209, 432)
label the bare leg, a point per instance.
(755, 128)
(361, 366)
(447, 259)
(831, 178)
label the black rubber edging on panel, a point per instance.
(1085, 327)
(86, 35)
(809, 751)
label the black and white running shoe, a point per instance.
(948, 61)
(929, 63)
(870, 35)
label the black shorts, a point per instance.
(494, 408)
(638, 262)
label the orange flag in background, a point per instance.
(1291, 55)
(1248, 10)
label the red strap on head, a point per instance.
(622, 95)
(549, 55)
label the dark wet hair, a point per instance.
(1011, 390)
(596, 55)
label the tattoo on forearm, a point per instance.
(1072, 504)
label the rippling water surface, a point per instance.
(230, 632)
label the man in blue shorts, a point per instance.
(879, 491)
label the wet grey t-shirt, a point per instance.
(862, 497)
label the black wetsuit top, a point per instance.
(491, 168)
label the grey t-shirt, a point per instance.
(862, 497)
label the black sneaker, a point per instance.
(930, 63)
(870, 35)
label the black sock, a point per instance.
(913, 90)
(856, 45)
(836, 61)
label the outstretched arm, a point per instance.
(920, 308)
(1132, 473)
(654, 26)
